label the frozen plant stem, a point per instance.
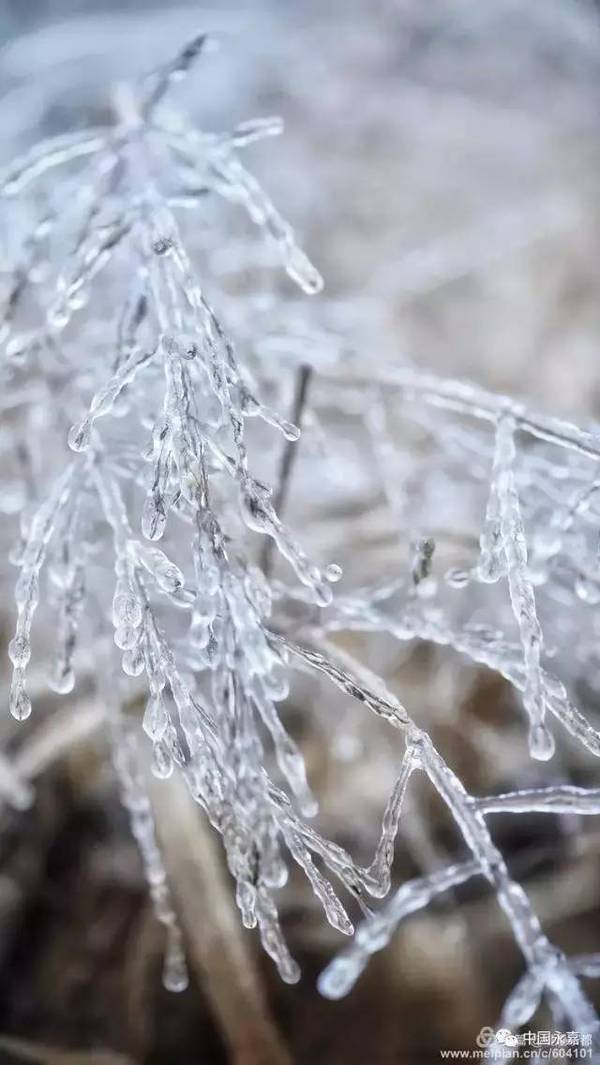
(540, 955)
(514, 545)
(478, 403)
(288, 459)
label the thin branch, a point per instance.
(556, 799)
(479, 403)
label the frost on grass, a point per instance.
(140, 513)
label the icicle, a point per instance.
(559, 798)
(73, 285)
(342, 973)
(56, 151)
(522, 597)
(234, 182)
(137, 802)
(63, 678)
(40, 533)
(272, 939)
(381, 866)
(156, 719)
(334, 911)
(259, 515)
(255, 129)
(523, 1000)
(104, 400)
(289, 758)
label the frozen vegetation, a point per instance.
(134, 382)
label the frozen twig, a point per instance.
(288, 457)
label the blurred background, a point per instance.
(440, 163)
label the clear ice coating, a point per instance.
(142, 519)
